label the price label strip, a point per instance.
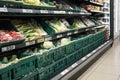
(3, 10)
(84, 58)
(44, 11)
(30, 43)
(8, 48)
(75, 32)
(48, 38)
(27, 10)
(89, 55)
(57, 12)
(59, 36)
(86, 29)
(70, 12)
(64, 72)
(74, 65)
(69, 33)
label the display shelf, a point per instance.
(40, 12)
(106, 2)
(106, 12)
(105, 17)
(92, 2)
(94, 11)
(106, 23)
(46, 38)
(101, 26)
(106, 7)
(96, 3)
(71, 70)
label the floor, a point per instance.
(107, 67)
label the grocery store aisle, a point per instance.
(107, 67)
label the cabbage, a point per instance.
(64, 41)
(48, 44)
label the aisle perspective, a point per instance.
(42, 40)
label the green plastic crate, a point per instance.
(85, 50)
(85, 41)
(60, 53)
(96, 37)
(103, 40)
(78, 44)
(71, 59)
(19, 4)
(90, 48)
(6, 73)
(70, 47)
(24, 66)
(96, 44)
(46, 27)
(41, 74)
(46, 73)
(45, 58)
(30, 76)
(59, 65)
(78, 54)
(91, 38)
(11, 4)
(103, 33)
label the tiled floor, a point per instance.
(107, 67)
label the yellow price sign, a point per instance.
(40, 40)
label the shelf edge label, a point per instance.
(8, 48)
(30, 43)
(48, 38)
(3, 10)
(64, 72)
(27, 10)
(44, 11)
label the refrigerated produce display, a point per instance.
(52, 40)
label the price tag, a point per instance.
(3, 10)
(70, 12)
(40, 40)
(8, 48)
(63, 12)
(105, 43)
(82, 13)
(99, 47)
(94, 51)
(89, 55)
(59, 36)
(30, 43)
(102, 45)
(75, 32)
(64, 72)
(44, 11)
(74, 65)
(84, 58)
(48, 38)
(27, 10)
(69, 33)
(57, 12)
(86, 29)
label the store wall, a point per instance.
(116, 18)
